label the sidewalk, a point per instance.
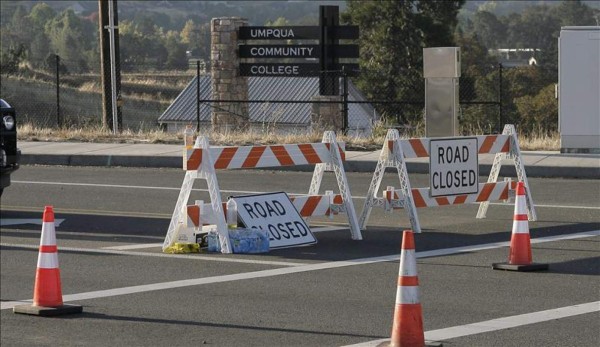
(537, 164)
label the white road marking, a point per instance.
(19, 221)
(152, 245)
(500, 323)
(134, 246)
(255, 192)
(295, 268)
(128, 186)
(326, 228)
(215, 257)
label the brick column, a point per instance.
(227, 84)
(327, 116)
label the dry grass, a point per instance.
(27, 132)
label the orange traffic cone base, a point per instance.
(521, 268)
(47, 311)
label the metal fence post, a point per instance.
(58, 120)
(198, 96)
(501, 125)
(345, 101)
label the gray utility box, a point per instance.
(441, 70)
(579, 89)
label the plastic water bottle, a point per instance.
(213, 242)
(231, 214)
(188, 137)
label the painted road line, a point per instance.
(255, 192)
(500, 323)
(20, 221)
(90, 212)
(134, 246)
(152, 245)
(267, 273)
(99, 235)
(327, 228)
(128, 186)
(190, 256)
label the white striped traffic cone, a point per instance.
(519, 258)
(47, 292)
(407, 329)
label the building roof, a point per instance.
(298, 91)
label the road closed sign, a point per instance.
(275, 213)
(453, 166)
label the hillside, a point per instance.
(172, 15)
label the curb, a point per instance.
(350, 166)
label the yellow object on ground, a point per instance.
(179, 248)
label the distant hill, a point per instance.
(172, 15)
(502, 8)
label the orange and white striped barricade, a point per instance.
(202, 161)
(394, 153)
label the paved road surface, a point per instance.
(338, 292)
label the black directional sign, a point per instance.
(322, 59)
(295, 51)
(349, 32)
(291, 69)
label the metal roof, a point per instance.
(297, 90)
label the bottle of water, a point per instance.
(213, 242)
(188, 137)
(231, 213)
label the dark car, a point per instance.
(11, 155)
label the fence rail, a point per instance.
(57, 98)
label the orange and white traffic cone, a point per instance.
(519, 258)
(47, 293)
(407, 329)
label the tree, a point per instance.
(10, 59)
(41, 14)
(176, 56)
(489, 30)
(196, 37)
(71, 38)
(539, 112)
(392, 37)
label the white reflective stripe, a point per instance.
(407, 149)
(47, 260)
(520, 227)
(408, 263)
(268, 158)
(496, 146)
(48, 234)
(520, 206)
(407, 295)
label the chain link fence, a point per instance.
(54, 95)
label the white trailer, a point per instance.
(579, 89)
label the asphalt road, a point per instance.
(337, 292)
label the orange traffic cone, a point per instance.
(519, 258)
(407, 330)
(47, 293)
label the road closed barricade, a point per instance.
(202, 161)
(453, 176)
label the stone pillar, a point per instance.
(227, 84)
(327, 116)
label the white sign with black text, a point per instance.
(453, 166)
(276, 213)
